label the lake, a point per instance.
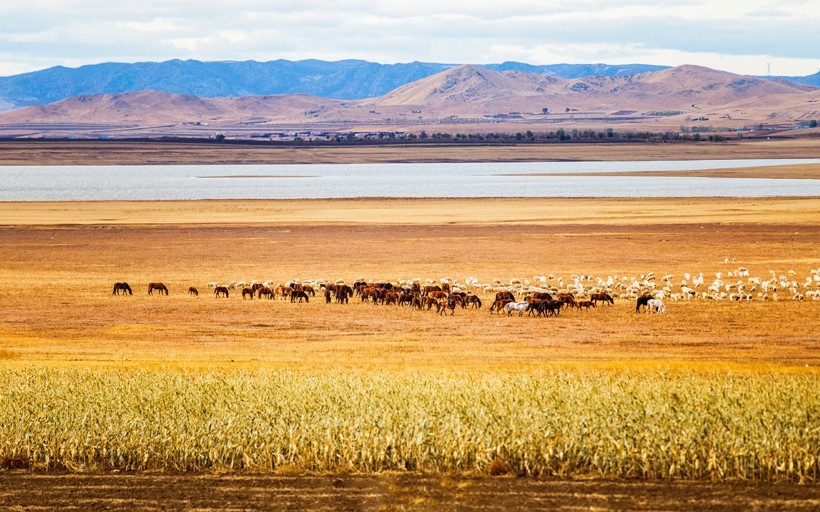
(173, 182)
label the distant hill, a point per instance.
(346, 79)
(813, 80)
(459, 97)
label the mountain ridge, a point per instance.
(345, 79)
(459, 96)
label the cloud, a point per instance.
(734, 33)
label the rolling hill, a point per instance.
(464, 96)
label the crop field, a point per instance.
(715, 392)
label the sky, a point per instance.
(754, 37)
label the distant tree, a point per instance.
(813, 123)
(545, 110)
(423, 135)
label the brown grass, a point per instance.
(58, 263)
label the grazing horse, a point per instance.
(282, 292)
(220, 291)
(584, 304)
(266, 291)
(193, 291)
(567, 298)
(343, 294)
(391, 298)
(601, 297)
(516, 306)
(247, 292)
(406, 299)
(446, 304)
(299, 294)
(501, 298)
(656, 305)
(473, 300)
(159, 287)
(541, 296)
(429, 302)
(122, 287)
(553, 307)
(643, 300)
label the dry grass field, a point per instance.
(59, 269)
(713, 404)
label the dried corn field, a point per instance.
(647, 425)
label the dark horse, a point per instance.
(122, 287)
(473, 300)
(643, 300)
(193, 291)
(602, 297)
(299, 294)
(221, 291)
(159, 287)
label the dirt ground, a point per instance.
(386, 493)
(113, 152)
(58, 262)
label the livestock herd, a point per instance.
(543, 296)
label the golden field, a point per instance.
(711, 391)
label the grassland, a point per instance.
(711, 391)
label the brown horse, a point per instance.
(473, 300)
(264, 291)
(220, 291)
(282, 292)
(446, 304)
(193, 291)
(567, 298)
(584, 304)
(247, 292)
(299, 294)
(429, 302)
(501, 300)
(602, 297)
(159, 287)
(122, 287)
(343, 294)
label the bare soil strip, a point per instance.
(80, 152)
(386, 492)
